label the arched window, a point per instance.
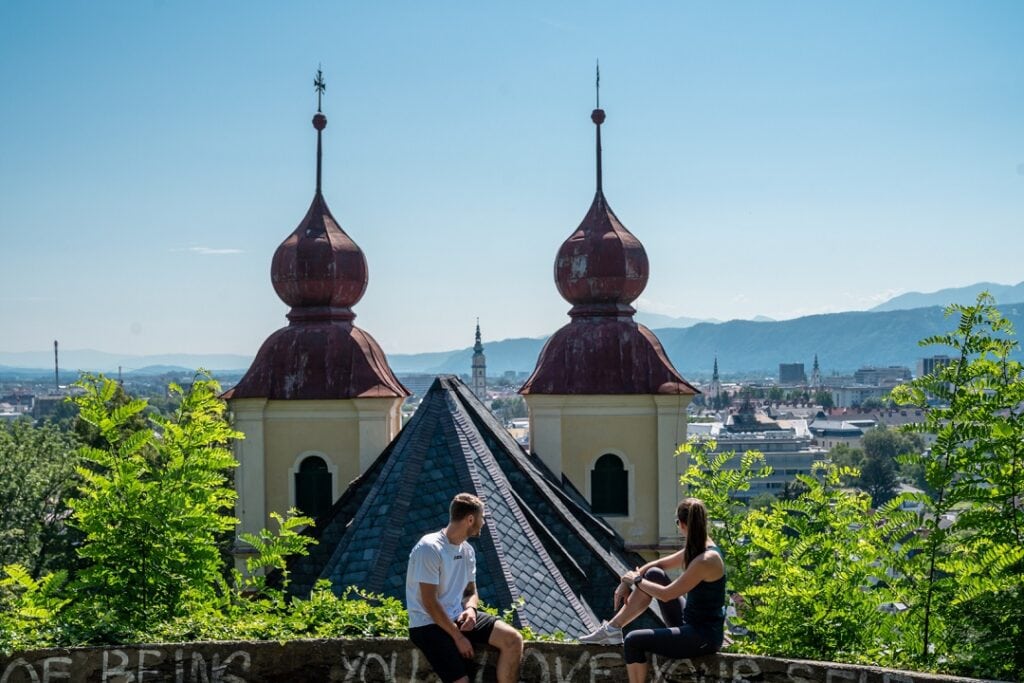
(313, 487)
(609, 486)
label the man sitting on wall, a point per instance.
(440, 593)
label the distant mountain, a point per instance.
(1004, 294)
(151, 370)
(101, 361)
(659, 321)
(517, 355)
(842, 341)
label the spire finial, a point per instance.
(319, 85)
(597, 116)
(319, 121)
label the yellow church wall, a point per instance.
(569, 434)
(633, 438)
(348, 434)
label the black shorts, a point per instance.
(440, 650)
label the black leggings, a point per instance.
(680, 640)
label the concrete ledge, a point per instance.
(388, 660)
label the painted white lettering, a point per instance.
(743, 668)
(531, 654)
(19, 663)
(668, 667)
(120, 669)
(595, 665)
(415, 664)
(377, 659)
(246, 663)
(142, 663)
(800, 673)
(50, 675)
(199, 672)
(351, 666)
(578, 666)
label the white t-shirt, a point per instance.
(450, 567)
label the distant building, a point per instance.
(830, 433)
(855, 395)
(715, 388)
(787, 446)
(792, 374)
(882, 377)
(418, 383)
(479, 367)
(816, 374)
(929, 365)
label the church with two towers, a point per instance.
(594, 495)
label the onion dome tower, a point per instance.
(319, 402)
(607, 408)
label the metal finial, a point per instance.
(597, 85)
(319, 85)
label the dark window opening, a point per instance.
(313, 487)
(609, 486)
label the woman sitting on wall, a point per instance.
(696, 624)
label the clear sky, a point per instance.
(775, 158)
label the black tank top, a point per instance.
(705, 603)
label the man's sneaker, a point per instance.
(606, 634)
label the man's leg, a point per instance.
(509, 643)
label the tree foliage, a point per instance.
(973, 551)
(152, 503)
(37, 472)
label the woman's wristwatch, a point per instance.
(637, 579)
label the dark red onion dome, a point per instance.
(321, 273)
(319, 266)
(601, 269)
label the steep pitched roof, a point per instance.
(541, 542)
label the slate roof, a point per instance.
(541, 547)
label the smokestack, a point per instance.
(56, 368)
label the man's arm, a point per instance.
(428, 596)
(467, 620)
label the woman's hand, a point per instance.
(621, 593)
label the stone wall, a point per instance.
(386, 660)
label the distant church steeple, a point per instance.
(479, 367)
(715, 390)
(816, 374)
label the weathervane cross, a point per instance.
(319, 86)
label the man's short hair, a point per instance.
(463, 505)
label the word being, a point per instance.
(133, 666)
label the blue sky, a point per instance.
(774, 158)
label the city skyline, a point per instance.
(774, 159)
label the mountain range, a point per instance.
(885, 335)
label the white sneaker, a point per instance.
(606, 634)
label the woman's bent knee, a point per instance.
(657, 575)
